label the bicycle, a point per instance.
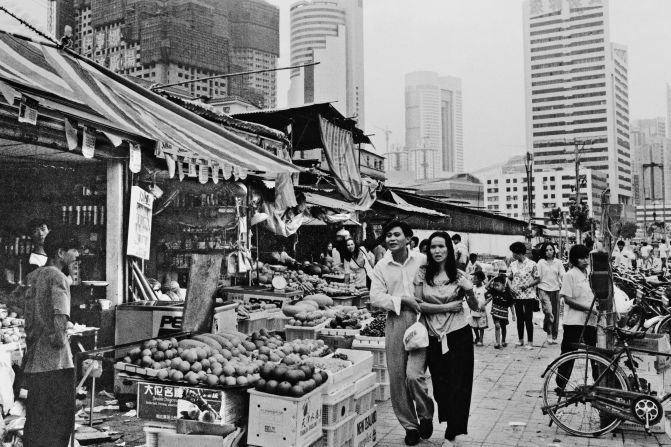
(601, 396)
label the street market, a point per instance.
(178, 275)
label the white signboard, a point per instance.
(139, 223)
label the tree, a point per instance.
(579, 216)
(628, 230)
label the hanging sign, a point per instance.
(28, 110)
(135, 162)
(203, 174)
(89, 142)
(71, 134)
(139, 222)
(171, 165)
(192, 169)
(180, 170)
(215, 172)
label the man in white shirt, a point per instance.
(460, 252)
(622, 257)
(646, 249)
(663, 253)
(392, 289)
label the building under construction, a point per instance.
(168, 41)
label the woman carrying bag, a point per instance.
(358, 265)
(440, 290)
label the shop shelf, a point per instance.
(341, 434)
(303, 333)
(383, 392)
(336, 407)
(365, 400)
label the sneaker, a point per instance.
(528, 347)
(504, 344)
(411, 437)
(552, 341)
(479, 343)
(497, 346)
(425, 428)
(519, 343)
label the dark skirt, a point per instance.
(500, 313)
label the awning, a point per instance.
(408, 208)
(328, 202)
(80, 89)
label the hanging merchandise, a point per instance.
(116, 140)
(203, 174)
(135, 162)
(215, 173)
(192, 169)
(8, 93)
(71, 134)
(28, 110)
(161, 148)
(226, 171)
(88, 142)
(236, 173)
(171, 165)
(180, 170)
(243, 173)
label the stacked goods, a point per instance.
(11, 327)
(371, 339)
(252, 317)
(289, 378)
(216, 360)
(345, 323)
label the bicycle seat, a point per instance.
(624, 334)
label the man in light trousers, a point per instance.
(392, 288)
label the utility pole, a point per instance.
(529, 164)
(651, 166)
(577, 151)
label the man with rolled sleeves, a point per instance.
(392, 288)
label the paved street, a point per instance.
(507, 389)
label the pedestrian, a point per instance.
(523, 274)
(502, 300)
(358, 262)
(441, 290)
(479, 320)
(424, 246)
(663, 253)
(473, 264)
(414, 244)
(460, 252)
(50, 408)
(578, 299)
(551, 271)
(392, 289)
(39, 228)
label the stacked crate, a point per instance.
(376, 346)
(346, 393)
(365, 424)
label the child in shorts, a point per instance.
(479, 317)
(502, 300)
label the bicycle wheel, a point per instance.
(563, 390)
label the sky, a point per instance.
(479, 41)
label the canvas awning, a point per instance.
(94, 96)
(408, 208)
(329, 202)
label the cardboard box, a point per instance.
(365, 429)
(280, 420)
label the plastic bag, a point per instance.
(416, 336)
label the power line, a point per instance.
(228, 75)
(28, 25)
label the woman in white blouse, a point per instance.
(551, 271)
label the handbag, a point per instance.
(416, 336)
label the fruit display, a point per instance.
(376, 327)
(218, 360)
(247, 311)
(308, 319)
(340, 289)
(348, 317)
(10, 319)
(290, 379)
(330, 364)
(11, 334)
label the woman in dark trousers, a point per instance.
(524, 277)
(440, 289)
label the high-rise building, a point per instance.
(651, 151)
(168, 41)
(329, 32)
(577, 91)
(61, 14)
(433, 124)
(668, 109)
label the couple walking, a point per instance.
(413, 286)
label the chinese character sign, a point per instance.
(139, 223)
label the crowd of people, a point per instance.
(647, 257)
(438, 283)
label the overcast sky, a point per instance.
(479, 41)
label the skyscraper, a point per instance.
(433, 124)
(329, 32)
(577, 91)
(650, 146)
(170, 41)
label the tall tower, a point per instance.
(433, 124)
(329, 32)
(577, 91)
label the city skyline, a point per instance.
(480, 42)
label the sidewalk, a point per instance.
(507, 388)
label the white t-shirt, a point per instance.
(576, 285)
(645, 250)
(663, 251)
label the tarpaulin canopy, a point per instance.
(80, 89)
(329, 202)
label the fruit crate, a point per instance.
(281, 420)
(277, 321)
(362, 365)
(381, 374)
(347, 332)
(383, 392)
(365, 400)
(348, 300)
(336, 407)
(364, 383)
(337, 341)
(249, 326)
(338, 435)
(365, 429)
(376, 345)
(292, 333)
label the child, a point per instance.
(502, 299)
(479, 317)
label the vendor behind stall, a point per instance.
(49, 370)
(280, 256)
(38, 231)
